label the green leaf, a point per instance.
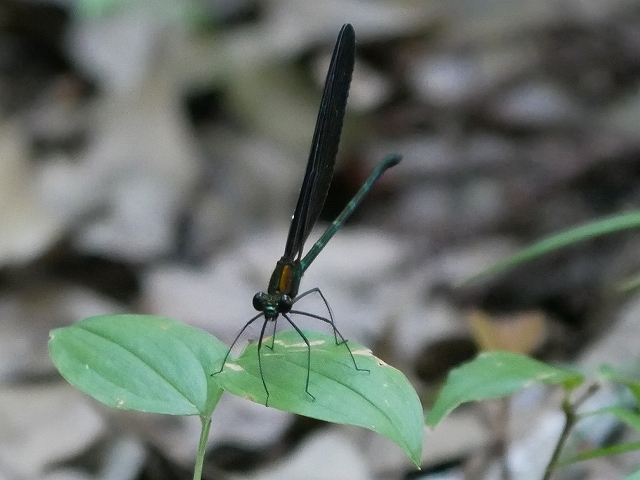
(602, 452)
(140, 362)
(380, 399)
(633, 476)
(609, 373)
(616, 223)
(495, 374)
(623, 414)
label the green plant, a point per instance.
(159, 365)
(606, 226)
(154, 364)
(499, 374)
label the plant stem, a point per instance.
(202, 445)
(571, 417)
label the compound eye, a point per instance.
(260, 301)
(284, 304)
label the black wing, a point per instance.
(324, 146)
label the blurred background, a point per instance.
(151, 153)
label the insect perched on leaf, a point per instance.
(282, 292)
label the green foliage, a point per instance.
(623, 414)
(140, 362)
(377, 396)
(633, 476)
(497, 374)
(154, 364)
(605, 226)
(609, 373)
(494, 375)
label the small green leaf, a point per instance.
(609, 373)
(380, 399)
(602, 452)
(623, 414)
(493, 375)
(140, 362)
(616, 223)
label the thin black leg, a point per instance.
(226, 357)
(306, 388)
(330, 321)
(342, 341)
(264, 384)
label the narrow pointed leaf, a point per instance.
(632, 383)
(602, 452)
(380, 399)
(605, 226)
(493, 375)
(140, 362)
(623, 414)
